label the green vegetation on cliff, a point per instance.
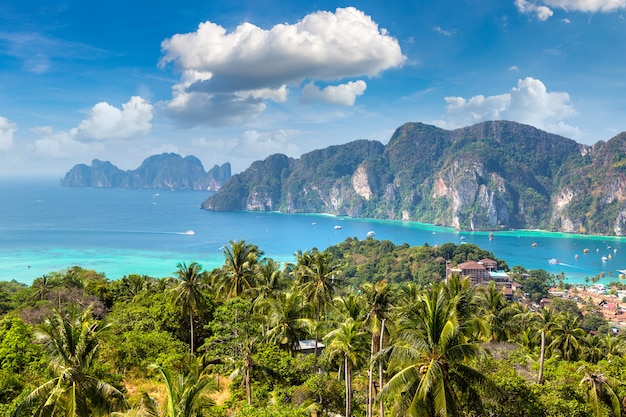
(493, 175)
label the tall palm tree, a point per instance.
(189, 294)
(43, 286)
(428, 360)
(567, 336)
(316, 273)
(379, 302)
(496, 312)
(350, 342)
(72, 342)
(600, 392)
(238, 273)
(288, 322)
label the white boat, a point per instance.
(337, 227)
(604, 259)
(553, 261)
(371, 233)
(190, 232)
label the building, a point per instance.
(482, 273)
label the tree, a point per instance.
(567, 336)
(428, 360)
(234, 340)
(379, 302)
(238, 274)
(350, 342)
(316, 273)
(72, 342)
(600, 392)
(188, 294)
(288, 322)
(186, 392)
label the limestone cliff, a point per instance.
(493, 175)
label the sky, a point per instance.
(236, 81)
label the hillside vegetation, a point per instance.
(393, 339)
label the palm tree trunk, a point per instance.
(381, 380)
(541, 356)
(191, 327)
(348, 386)
(248, 365)
(370, 376)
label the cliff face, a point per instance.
(165, 171)
(493, 175)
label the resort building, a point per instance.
(482, 273)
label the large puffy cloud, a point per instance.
(250, 64)
(105, 121)
(528, 103)
(541, 8)
(6, 134)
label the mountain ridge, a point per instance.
(489, 176)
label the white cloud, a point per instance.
(528, 103)
(542, 7)
(526, 7)
(442, 31)
(243, 68)
(267, 143)
(108, 122)
(64, 145)
(42, 130)
(7, 129)
(343, 94)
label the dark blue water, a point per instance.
(45, 227)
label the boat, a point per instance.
(585, 250)
(604, 259)
(337, 227)
(490, 236)
(534, 244)
(553, 261)
(371, 233)
(190, 232)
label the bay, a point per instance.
(45, 228)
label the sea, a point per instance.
(46, 228)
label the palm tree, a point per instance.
(379, 301)
(72, 342)
(567, 336)
(43, 286)
(189, 293)
(287, 320)
(496, 313)
(186, 393)
(350, 342)
(428, 360)
(600, 392)
(316, 274)
(239, 271)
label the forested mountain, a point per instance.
(165, 171)
(493, 175)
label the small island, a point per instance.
(164, 171)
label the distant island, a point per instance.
(164, 171)
(495, 175)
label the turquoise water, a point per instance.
(45, 227)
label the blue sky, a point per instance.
(236, 81)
